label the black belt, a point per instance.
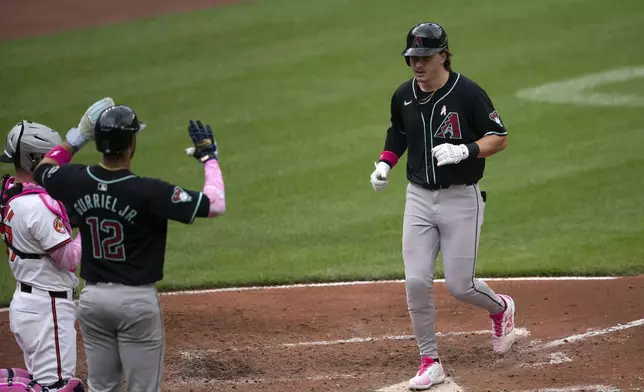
(92, 283)
(57, 385)
(435, 187)
(25, 288)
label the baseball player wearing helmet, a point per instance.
(43, 257)
(448, 125)
(124, 221)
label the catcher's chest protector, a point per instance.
(14, 380)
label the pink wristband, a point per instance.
(389, 157)
(60, 155)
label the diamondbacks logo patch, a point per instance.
(58, 226)
(418, 42)
(450, 128)
(494, 116)
(180, 196)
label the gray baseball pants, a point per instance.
(122, 330)
(447, 220)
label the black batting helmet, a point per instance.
(425, 39)
(115, 129)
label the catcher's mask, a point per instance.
(27, 143)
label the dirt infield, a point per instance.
(357, 338)
(23, 18)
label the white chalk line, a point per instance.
(576, 91)
(252, 380)
(589, 334)
(556, 358)
(520, 333)
(367, 282)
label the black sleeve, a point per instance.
(486, 120)
(175, 203)
(55, 179)
(396, 140)
(204, 207)
(74, 219)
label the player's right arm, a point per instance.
(395, 146)
(77, 137)
(396, 141)
(55, 179)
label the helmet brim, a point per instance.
(5, 158)
(421, 52)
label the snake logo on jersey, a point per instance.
(180, 196)
(494, 116)
(450, 127)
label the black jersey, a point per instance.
(123, 219)
(460, 112)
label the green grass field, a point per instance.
(298, 95)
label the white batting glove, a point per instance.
(447, 154)
(379, 176)
(77, 137)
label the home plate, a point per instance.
(446, 386)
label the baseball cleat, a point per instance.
(503, 335)
(430, 372)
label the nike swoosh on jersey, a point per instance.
(407, 103)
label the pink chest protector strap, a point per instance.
(54, 206)
(13, 379)
(67, 256)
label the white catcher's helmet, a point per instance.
(27, 143)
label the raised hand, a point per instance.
(205, 147)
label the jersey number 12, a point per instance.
(107, 239)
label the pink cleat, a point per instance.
(503, 327)
(429, 373)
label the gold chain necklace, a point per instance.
(424, 101)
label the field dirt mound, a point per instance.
(358, 338)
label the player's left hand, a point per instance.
(447, 154)
(205, 147)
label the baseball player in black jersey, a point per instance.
(448, 125)
(123, 222)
